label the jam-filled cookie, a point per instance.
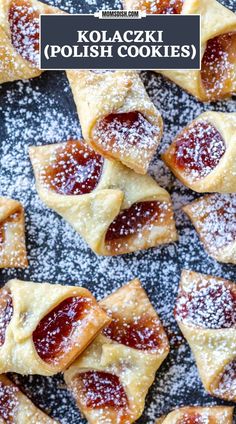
(117, 117)
(17, 408)
(199, 415)
(214, 217)
(217, 77)
(19, 38)
(206, 314)
(111, 379)
(203, 155)
(113, 208)
(44, 327)
(12, 234)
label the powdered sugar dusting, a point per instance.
(198, 149)
(41, 111)
(6, 308)
(218, 70)
(124, 132)
(8, 401)
(210, 304)
(24, 25)
(214, 217)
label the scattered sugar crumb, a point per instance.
(42, 111)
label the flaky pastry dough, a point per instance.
(221, 146)
(12, 234)
(117, 190)
(17, 408)
(19, 38)
(217, 77)
(199, 415)
(215, 21)
(205, 312)
(100, 95)
(134, 367)
(214, 217)
(24, 343)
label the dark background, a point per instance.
(171, 27)
(42, 111)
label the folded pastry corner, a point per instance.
(113, 208)
(15, 407)
(217, 77)
(19, 38)
(203, 155)
(206, 314)
(111, 379)
(214, 217)
(12, 234)
(117, 117)
(44, 337)
(199, 415)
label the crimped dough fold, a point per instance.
(222, 178)
(100, 94)
(12, 234)
(117, 190)
(12, 65)
(135, 368)
(214, 349)
(31, 302)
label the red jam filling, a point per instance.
(218, 65)
(54, 336)
(75, 171)
(210, 306)
(141, 333)
(121, 130)
(8, 402)
(133, 220)
(6, 312)
(102, 390)
(193, 418)
(24, 25)
(163, 7)
(227, 385)
(199, 148)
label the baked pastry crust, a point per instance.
(215, 21)
(21, 315)
(222, 177)
(98, 95)
(214, 217)
(12, 234)
(91, 214)
(205, 312)
(17, 408)
(135, 368)
(200, 415)
(14, 66)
